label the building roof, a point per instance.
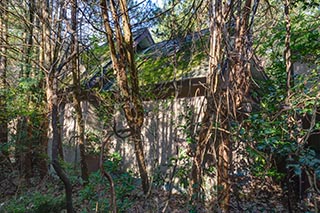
(142, 38)
(104, 78)
(156, 67)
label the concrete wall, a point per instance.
(162, 132)
(68, 121)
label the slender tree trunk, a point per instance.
(42, 16)
(76, 93)
(49, 56)
(61, 121)
(38, 145)
(45, 59)
(43, 149)
(3, 76)
(53, 106)
(29, 37)
(197, 164)
(290, 192)
(122, 57)
(113, 198)
(287, 51)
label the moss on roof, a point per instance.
(162, 62)
(171, 60)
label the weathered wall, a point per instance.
(163, 129)
(68, 121)
(162, 133)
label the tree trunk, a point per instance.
(290, 192)
(76, 93)
(38, 145)
(210, 113)
(122, 55)
(53, 105)
(3, 77)
(136, 137)
(61, 122)
(287, 51)
(45, 59)
(43, 167)
(48, 59)
(134, 116)
(227, 85)
(224, 164)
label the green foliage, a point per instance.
(307, 3)
(37, 203)
(305, 34)
(25, 111)
(97, 190)
(181, 18)
(275, 131)
(25, 99)
(307, 159)
(189, 125)
(93, 142)
(144, 14)
(113, 162)
(183, 169)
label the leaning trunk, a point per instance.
(287, 51)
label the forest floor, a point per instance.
(47, 195)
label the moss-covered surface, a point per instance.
(161, 64)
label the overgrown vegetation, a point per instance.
(269, 131)
(35, 202)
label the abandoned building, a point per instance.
(170, 106)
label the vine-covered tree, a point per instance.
(228, 83)
(120, 41)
